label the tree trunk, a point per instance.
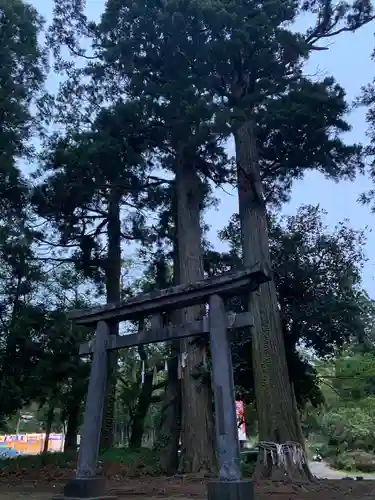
(73, 410)
(197, 420)
(49, 423)
(143, 403)
(278, 419)
(170, 424)
(169, 431)
(113, 288)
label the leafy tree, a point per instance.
(94, 199)
(367, 100)
(21, 310)
(21, 80)
(346, 421)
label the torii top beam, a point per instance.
(177, 297)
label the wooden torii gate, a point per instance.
(229, 486)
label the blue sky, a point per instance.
(348, 60)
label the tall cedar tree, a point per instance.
(22, 74)
(252, 44)
(94, 179)
(190, 147)
(167, 443)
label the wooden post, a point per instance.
(87, 484)
(89, 448)
(228, 449)
(229, 486)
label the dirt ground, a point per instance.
(183, 488)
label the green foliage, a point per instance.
(355, 460)
(367, 100)
(349, 428)
(84, 172)
(132, 463)
(346, 424)
(218, 56)
(22, 65)
(355, 376)
(137, 462)
(22, 71)
(38, 462)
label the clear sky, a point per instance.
(348, 60)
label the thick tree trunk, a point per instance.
(197, 420)
(113, 288)
(278, 419)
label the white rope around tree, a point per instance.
(283, 454)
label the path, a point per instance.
(324, 471)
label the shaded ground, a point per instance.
(136, 476)
(183, 488)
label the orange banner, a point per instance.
(32, 444)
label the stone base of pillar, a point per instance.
(86, 488)
(230, 490)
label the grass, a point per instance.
(121, 462)
(24, 494)
(39, 461)
(47, 467)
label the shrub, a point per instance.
(355, 460)
(342, 462)
(349, 428)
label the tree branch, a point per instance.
(316, 36)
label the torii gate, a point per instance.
(229, 486)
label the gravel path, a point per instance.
(324, 471)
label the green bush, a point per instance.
(342, 462)
(349, 428)
(355, 460)
(61, 460)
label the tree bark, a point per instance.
(143, 403)
(197, 420)
(169, 431)
(113, 289)
(49, 423)
(170, 424)
(73, 410)
(278, 419)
